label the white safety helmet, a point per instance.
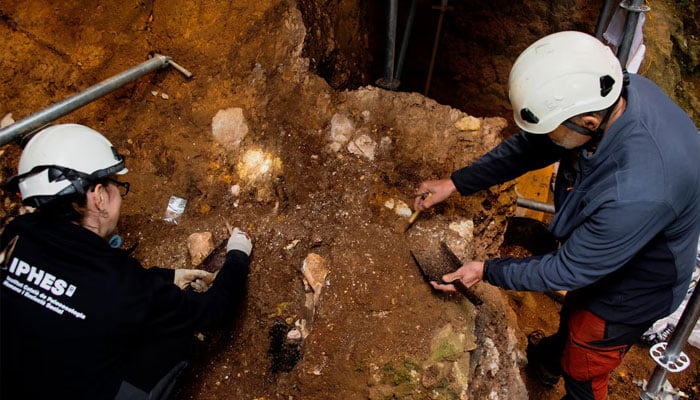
(560, 76)
(64, 160)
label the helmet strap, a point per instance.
(594, 134)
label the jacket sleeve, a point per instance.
(604, 243)
(166, 274)
(513, 157)
(188, 311)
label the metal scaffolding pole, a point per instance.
(603, 19)
(633, 7)
(405, 40)
(51, 113)
(670, 358)
(535, 205)
(387, 81)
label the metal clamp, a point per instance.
(630, 6)
(678, 364)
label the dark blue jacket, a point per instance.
(628, 217)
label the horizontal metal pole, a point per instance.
(535, 205)
(76, 101)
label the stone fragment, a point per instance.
(342, 129)
(7, 120)
(468, 123)
(315, 271)
(199, 245)
(402, 209)
(229, 127)
(235, 190)
(464, 228)
(363, 146)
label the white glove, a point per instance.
(197, 279)
(239, 240)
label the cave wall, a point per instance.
(479, 42)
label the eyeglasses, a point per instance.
(122, 186)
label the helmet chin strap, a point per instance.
(594, 134)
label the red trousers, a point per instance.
(589, 356)
(585, 349)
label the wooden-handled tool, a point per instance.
(461, 287)
(435, 264)
(416, 213)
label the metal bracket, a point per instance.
(678, 364)
(629, 6)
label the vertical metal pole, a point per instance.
(404, 40)
(678, 339)
(603, 19)
(390, 44)
(443, 8)
(76, 101)
(633, 7)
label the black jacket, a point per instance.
(77, 316)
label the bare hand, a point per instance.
(469, 273)
(439, 189)
(197, 279)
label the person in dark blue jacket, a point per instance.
(78, 318)
(627, 201)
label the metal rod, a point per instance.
(180, 68)
(405, 39)
(443, 8)
(678, 339)
(76, 101)
(633, 7)
(535, 205)
(603, 19)
(388, 80)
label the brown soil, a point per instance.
(376, 314)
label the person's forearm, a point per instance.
(511, 158)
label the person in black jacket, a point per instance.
(79, 318)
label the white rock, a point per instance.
(294, 335)
(342, 128)
(302, 326)
(402, 209)
(464, 228)
(389, 204)
(229, 127)
(7, 120)
(235, 190)
(363, 146)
